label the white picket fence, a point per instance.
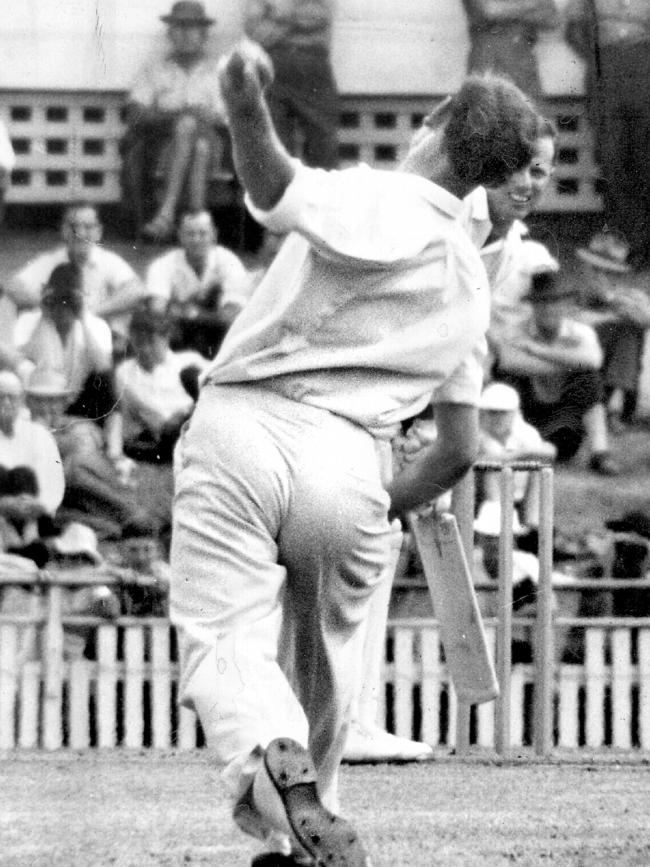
(51, 696)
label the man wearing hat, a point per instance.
(504, 437)
(554, 362)
(175, 109)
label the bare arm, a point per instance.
(442, 464)
(263, 165)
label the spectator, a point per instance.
(141, 553)
(7, 162)
(174, 113)
(32, 482)
(65, 336)
(94, 491)
(614, 40)
(153, 402)
(302, 97)
(110, 286)
(201, 285)
(504, 438)
(620, 313)
(503, 34)
(553, 361)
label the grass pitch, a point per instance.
(138, 809)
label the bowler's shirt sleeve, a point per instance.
(466, 382)
(358, 213)
(235, 279)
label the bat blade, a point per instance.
(456, 607)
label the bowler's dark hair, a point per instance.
(491, 131)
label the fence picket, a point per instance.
(161, 675)
(30, 685)
(186, 729)
(570, 678)
(8, 673)
(517, 704)
(595, 676)
(133, 685)
(53, 661)
(621, 689)
(430, 649)
(79, 694)
(404, 679)
(644, 689)
(106, 685)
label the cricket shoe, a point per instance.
(329, 839)
(373, 745)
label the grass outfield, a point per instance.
(118, 808)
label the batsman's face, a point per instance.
(521, 193)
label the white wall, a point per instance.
(380, 46)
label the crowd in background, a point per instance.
(105, 363)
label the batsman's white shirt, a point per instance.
(376, 299)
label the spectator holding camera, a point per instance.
(63, 335)
(201, 285)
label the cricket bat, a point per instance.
(455, 605)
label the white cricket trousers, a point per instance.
(280, 535)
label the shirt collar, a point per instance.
(436, 195)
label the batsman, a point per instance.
(284, 501)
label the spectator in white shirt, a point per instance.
(201, 285)
(110, 286)
(505, 437)
(153, 401)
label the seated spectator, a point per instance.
(620, 313)
(613, 38)
(7, 162)
(31, 476)
(201, 285)
(174, 113)
(504, 438)
(153, 401)
(63, 335)
(553, 361)
(141, 552)
(94, 491)
(303, 96)
(111, 288)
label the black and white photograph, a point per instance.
(325, 433)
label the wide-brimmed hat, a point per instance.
(545, 288)
(499, 397)
(488, 520)
(535, 258)
(189, 13)
(606, 252)
(47, 382)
